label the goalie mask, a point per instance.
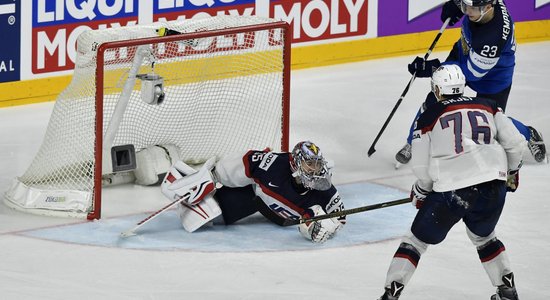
(309, 167)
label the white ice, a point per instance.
(341, 108)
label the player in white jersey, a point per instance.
(486, 54)
(278, 185)
(466, 154)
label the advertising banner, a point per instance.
(408, 16)
(310, 20)
(10, 33)
(42, 34)
(57, 24)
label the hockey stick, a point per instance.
(290, 222)
(197, 194)
(371, 149)
(132, 231)
(198, 189)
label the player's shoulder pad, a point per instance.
(489, 103)
(434, 111)
(265, 159)
(429, 116)
(505, 22)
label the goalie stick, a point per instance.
(290, 222)
(132, 231)
(432, 46)
(277, 219)
(197, 193)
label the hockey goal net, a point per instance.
(210, 87)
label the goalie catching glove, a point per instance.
(322, 230)
(190, 188)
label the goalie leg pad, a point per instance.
(153, 162)
(195, 216)
(191, 188)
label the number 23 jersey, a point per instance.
(487, 52)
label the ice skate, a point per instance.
(536, 145)
(393, 292)
(403, 156)
(507, 291)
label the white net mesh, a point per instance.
(222, 94)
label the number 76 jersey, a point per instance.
(464, 141)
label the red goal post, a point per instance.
(225, 86)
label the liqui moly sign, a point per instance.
(311, 20)
(56, 24)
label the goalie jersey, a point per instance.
(270, 176)
(464, 141)
(486, 52)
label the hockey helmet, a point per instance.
(478, 7)
(448, 80)
(309, 166)
(476, 3)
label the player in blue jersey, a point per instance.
(486, 55)
(452, 136)
(278, 185)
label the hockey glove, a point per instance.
(452, 11)
(423, 68)
(322, 230)
(512, 183)
(418, 195)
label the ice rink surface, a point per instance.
(341, 108)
